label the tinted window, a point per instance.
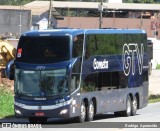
(102, 44)
(76, 53)
(104, 81)
(111, 44)
(77, 46)
(43, 49)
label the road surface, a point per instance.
(154, 82)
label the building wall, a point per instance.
(93, 22)
(10, 21)
(156, 53)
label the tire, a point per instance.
(90, 111)
(134, 106)
(83, 112)
(127, 112)
(37, 120)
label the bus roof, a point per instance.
(62, 32)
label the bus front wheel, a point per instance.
(83, 113)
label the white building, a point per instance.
(156, 53)
(43, 24)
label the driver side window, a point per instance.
(77, 46)
(91, 45)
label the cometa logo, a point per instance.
(100, 64)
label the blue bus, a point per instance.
(78, 73)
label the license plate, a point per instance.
(39, 114)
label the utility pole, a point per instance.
(100, 10)
(49, 14)
(141, 22)
(20, 20)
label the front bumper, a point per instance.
(61, 112)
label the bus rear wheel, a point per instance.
(37, 120)
(90, 111)
(134, 106)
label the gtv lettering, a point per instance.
(40, 67)
(100, 64)
(130, 53)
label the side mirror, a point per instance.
(10, 70)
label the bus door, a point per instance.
(75, 83)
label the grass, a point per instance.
(158, 66)
(6, 102)
(154, 98)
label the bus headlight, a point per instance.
(64, 111)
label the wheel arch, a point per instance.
(137, 97)
(138, 100)
(86, 102)
(131, 96)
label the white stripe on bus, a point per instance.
(50, 107)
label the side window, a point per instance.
(75, 79)
(123, 80)
(91, 45)
(76, 53)
(77, 45)
(103, 44)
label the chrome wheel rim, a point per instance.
(128, 106)
(83, 111)
(91, 111)
(134, 105)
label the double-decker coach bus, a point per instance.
(66, 73)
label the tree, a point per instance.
(14, 2)
(141, 1)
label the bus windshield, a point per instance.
(43, 49)
(41, 83)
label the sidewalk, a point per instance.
(154, 82)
